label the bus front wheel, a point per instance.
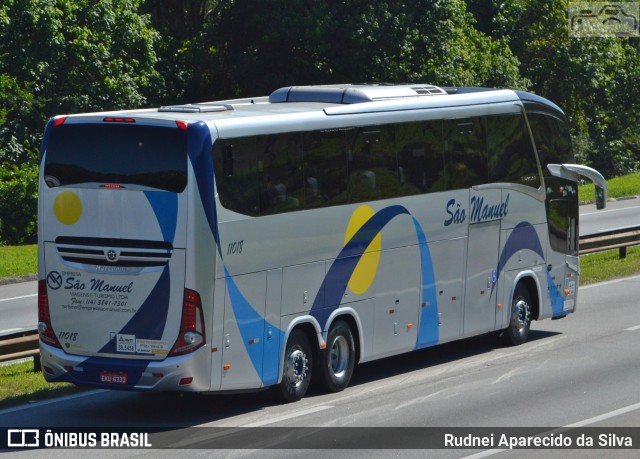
(296, 373)
(337, 361)
(518, 330)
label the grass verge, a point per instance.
(20, 384)
(618, 187)
(18, 260)
(602, 266)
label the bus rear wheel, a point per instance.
(518, 330)
(296, 373)
(336, 363)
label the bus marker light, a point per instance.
(409, 326)
(48, 370)
(226, 367)
(182, 125)
(157, 375)
(499, 305)
(113, 186)
(323, 346)
(567, 292)
(113, 119)
(59, 121)
(185, 381)
(214, 349)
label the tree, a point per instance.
(66, 56)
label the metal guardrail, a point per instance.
(620, 239)
(19, 346)
(25, 344)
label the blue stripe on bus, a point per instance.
(337, 278)
(150, 319)
(93, 366)
(428, 333)
(199, 151)
(253, 325)
(555, 295)
(165, 207)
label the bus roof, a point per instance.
(345, 99)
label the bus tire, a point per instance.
(296, 368)
(518, 330)
(337, 361)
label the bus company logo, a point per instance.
(54, 280)
(112, 255)
(603, 19)
(23, 438)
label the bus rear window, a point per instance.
(148, 156)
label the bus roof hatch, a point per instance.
(352, 94)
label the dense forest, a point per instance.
(69, 56)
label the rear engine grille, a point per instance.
(130, 253)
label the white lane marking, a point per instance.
(586, 422)
(614, 281)
(637, 327)
(271, 420)
(18, 297)
(51, 401)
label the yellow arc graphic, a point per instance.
(367, 267)
(67, 208)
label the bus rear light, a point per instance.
(48, 370)
(191, 336)
(111, 186)
(117, 119)
(59, 121)
(182, 125)
(185, 381)
(47, 335)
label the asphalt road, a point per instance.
(583, 370)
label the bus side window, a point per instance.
(373, 165)
(466, 153)
(511, 155)
(280, 169)
(325, 167)
(420, 157)
(235, 165)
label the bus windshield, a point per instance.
(147, 156)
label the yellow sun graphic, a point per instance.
(366, 269)
(67, 208)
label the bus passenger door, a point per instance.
(480, 288)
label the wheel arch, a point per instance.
(530, 281)
(350, 316)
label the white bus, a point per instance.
(242, 244)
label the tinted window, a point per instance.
(511, 155)
(236, 166)
(420, 157)
(325, 167)
(149, 156)
(466, 153)
(373, 167)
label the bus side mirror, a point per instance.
(600, 202)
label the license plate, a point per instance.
(109, 377)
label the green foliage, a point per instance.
(66, 56)
(18, 204)
(18, 260)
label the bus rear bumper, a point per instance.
(186, 373)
